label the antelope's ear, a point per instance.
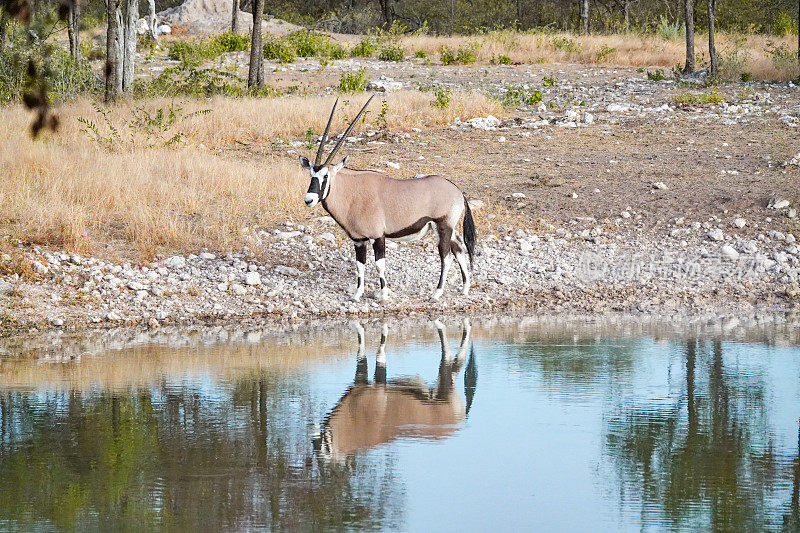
(304, 162)
(341, 165)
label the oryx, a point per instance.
(372, 414)
(372, 207)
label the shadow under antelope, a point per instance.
(376, 413)
(372, 207)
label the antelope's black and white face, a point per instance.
(321, 178)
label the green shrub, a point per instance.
(464, 55)
(335, 51)
(198, 83)
(504, 60)
(232, 42)
(604, 52)
(519, 95)
(566, 44)
(392, 52)
(353, 82)
(442, 96)
(782, 55)
(365, 48)
(550, 81)
(657, 75)
(692, 99)
(278, 50)
(670, 31)
(63, 77)
(192, 53)
(420, 54)
(447, 55)
(785, 25)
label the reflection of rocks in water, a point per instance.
(371, 414)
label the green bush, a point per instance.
(604, 52)
(464, 55)
(198, 83)
(670, 31)
(519, 95)
(420, 54)
(192, 53)
(232, 42)
(63, 77)
(566, 44)
(278, 50)
(550, 81)
(504, 60)
(365, 48)
(353, 82)
(392, 52)
(441, 97)
(785, 25)
(657, 75)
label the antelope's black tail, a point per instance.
(469, 231)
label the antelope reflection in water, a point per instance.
(371, 414)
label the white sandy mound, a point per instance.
(214, 16)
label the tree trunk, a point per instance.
(3, 28)
(73, 30)
(584, 15)
(235, 17)
(688, 17)
(255, 77)
(626, 9)
(712, 49)
(129, 57)
(151, 19)
(519, 14)
(112, 51)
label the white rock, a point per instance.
(625, 214)
(518, 195)
(779, 204)
(113, 316)
(729, 253)
(136, 286)
(287, 270)
(384, 85)
(660, 185)
(38, 267)
(207, 256)
(327, 236)
(588, 118)
(501, 139)
(525, 246)
(286, 235)
(252, 278)
(392, 164)
(489, 123)
(237, 289)
(739, 222)
(791, 212)
(795, 161)
(57, 322)
(716, 235)
(617, 108)
(789, 238)
(174, 262)
(476, 204)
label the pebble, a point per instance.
(716, 235)
(252, 278)
(729, 253)
(739, 222)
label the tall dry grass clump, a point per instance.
(756, 52)
(116, 182)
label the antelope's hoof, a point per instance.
(355, 297)
(465, 291)
(437, 295)
(382, 295)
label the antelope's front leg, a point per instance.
(361, 264)
(379, 247)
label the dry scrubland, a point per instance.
(753, 54)
(134, 196)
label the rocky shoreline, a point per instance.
(301, 272)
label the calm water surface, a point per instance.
(519, 430)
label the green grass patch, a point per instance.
(353, 82)
(698, 99)
(392, 52)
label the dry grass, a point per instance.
(139, 196)
(630, 50)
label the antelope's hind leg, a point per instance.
(459, 251)
(445, 241)
(379, 247)
(361, 262)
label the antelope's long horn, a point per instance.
(325, 135)
(347, 132)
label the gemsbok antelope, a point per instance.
(372, 414)
(372, 207)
